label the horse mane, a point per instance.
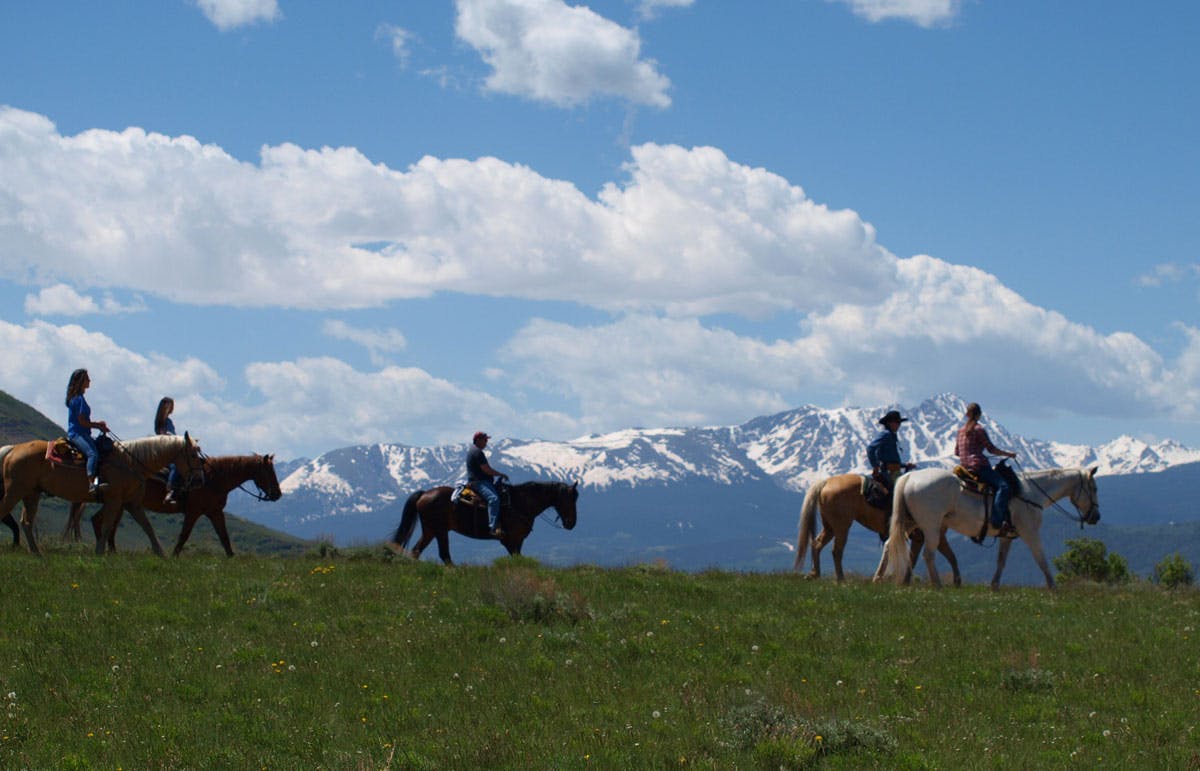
(144, 448)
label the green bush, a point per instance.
(1090, 560)
(1173, 571)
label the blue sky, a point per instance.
(321, 224)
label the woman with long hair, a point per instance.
(164, 425)
(80, 425)
(972, 441)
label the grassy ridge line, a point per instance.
(364, 662)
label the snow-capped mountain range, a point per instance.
(789, 451)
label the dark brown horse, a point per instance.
(840, 501)
(222, 474)
(439, 515)
(27, 474)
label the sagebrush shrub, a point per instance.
(1173, 571)
(526, 596)
(1089, 559)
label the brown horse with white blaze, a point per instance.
(439, 515)
(840, 503)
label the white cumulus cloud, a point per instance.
(230, 14)
(648, 9)
(62, 300)
(549, 51)
(172, 217)
(924, 13)
(377, 341)
(943, 328)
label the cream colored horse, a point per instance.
(933, 499)
(27, 474)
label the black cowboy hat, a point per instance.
(892, 415)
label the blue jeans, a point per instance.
(87, 445)
(1003, 493)
(488, 491)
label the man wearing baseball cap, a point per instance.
(480, 474)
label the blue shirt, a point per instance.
(884, 449)
(168, 427)
(78, 408)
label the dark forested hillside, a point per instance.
(19, 422)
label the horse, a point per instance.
(840, 502)
(221, 475)
(933, 499)
(439, 515)
(27, 473)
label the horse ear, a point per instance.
(1092, 471)
(574, 485)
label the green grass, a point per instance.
(354, 660)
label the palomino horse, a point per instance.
(27, 474)
(222, 474)
(439, 515)
(934, 500)
(840, 502)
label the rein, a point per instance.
(1051, 503)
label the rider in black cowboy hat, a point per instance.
(883, 453)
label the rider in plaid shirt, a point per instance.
(972, 441)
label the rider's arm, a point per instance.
(487, 469)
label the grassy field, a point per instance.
(354, 660)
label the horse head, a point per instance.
(265, 479)
(564, 504)
(1084, 496)
(190, 461)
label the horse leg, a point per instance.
(1001, 558)
(12, 525)
(71, 528)
(97, 522)
(930, 553)
(945, 550)
(28, 521)
(839, 547)
(824, 537)
(422, 542)
(218, 521)
(139, 515)
(443, 539)
(1039, 556)
(189, 521)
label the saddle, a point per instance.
(467, 496)
(876, 493)
(970, 482)
(62, 452)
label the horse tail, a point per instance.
(897, 542)
(408, 521)
(808, 519)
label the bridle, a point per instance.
(1084, 518)
(260, 493)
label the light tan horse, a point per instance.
(840, 502)
(27, 474)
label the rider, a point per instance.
(480, 474)
(883, 453)
(80, 425)
(164, 425)
(971, 443)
